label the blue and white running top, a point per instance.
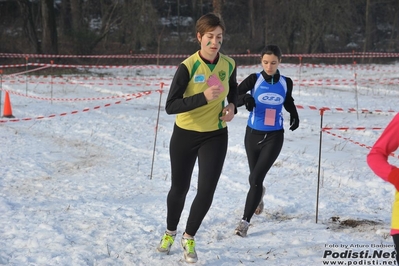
(269, 99)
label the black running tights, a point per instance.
(185, 147)
(262, 151)
(396, 242)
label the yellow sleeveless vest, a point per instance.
(205, 118)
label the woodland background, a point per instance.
(112, 27)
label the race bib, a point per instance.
(213, 80)
(270, 117)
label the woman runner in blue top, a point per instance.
(264, 94)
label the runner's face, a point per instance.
(270, 63)
(211, 42)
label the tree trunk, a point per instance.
(251, 19)
(76, 12)
(395, 20)
(217, 6)
(49, 28)
(77, 27)
(65, 18)
(29, 25)
(367, 28)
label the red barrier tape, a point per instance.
(350, 110)
(85, 83)
(155, 56)
(355, 142)
(133, 95)
(116, 81)
(311, 107)
(351, 128)
(348, 139)
(384, 68)
(73, 112)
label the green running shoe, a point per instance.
(189, 250)
(166, 243)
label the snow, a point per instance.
(85, 174)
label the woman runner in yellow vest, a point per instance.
(197, 96)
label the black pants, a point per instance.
(396, 242)
(185, 147)
(262, 151)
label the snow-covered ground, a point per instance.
(85, 172)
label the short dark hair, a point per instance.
(272, 49)
(208, 22)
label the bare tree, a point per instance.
(65, 21)
(78, 26)
(283, 24)
(139, 23)
(29, 25)
(109, 19)
(306, 26)
(217, 6)
(395, 28)
(76, 15)
(251, 19)
(49, 28)
(368, 27)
